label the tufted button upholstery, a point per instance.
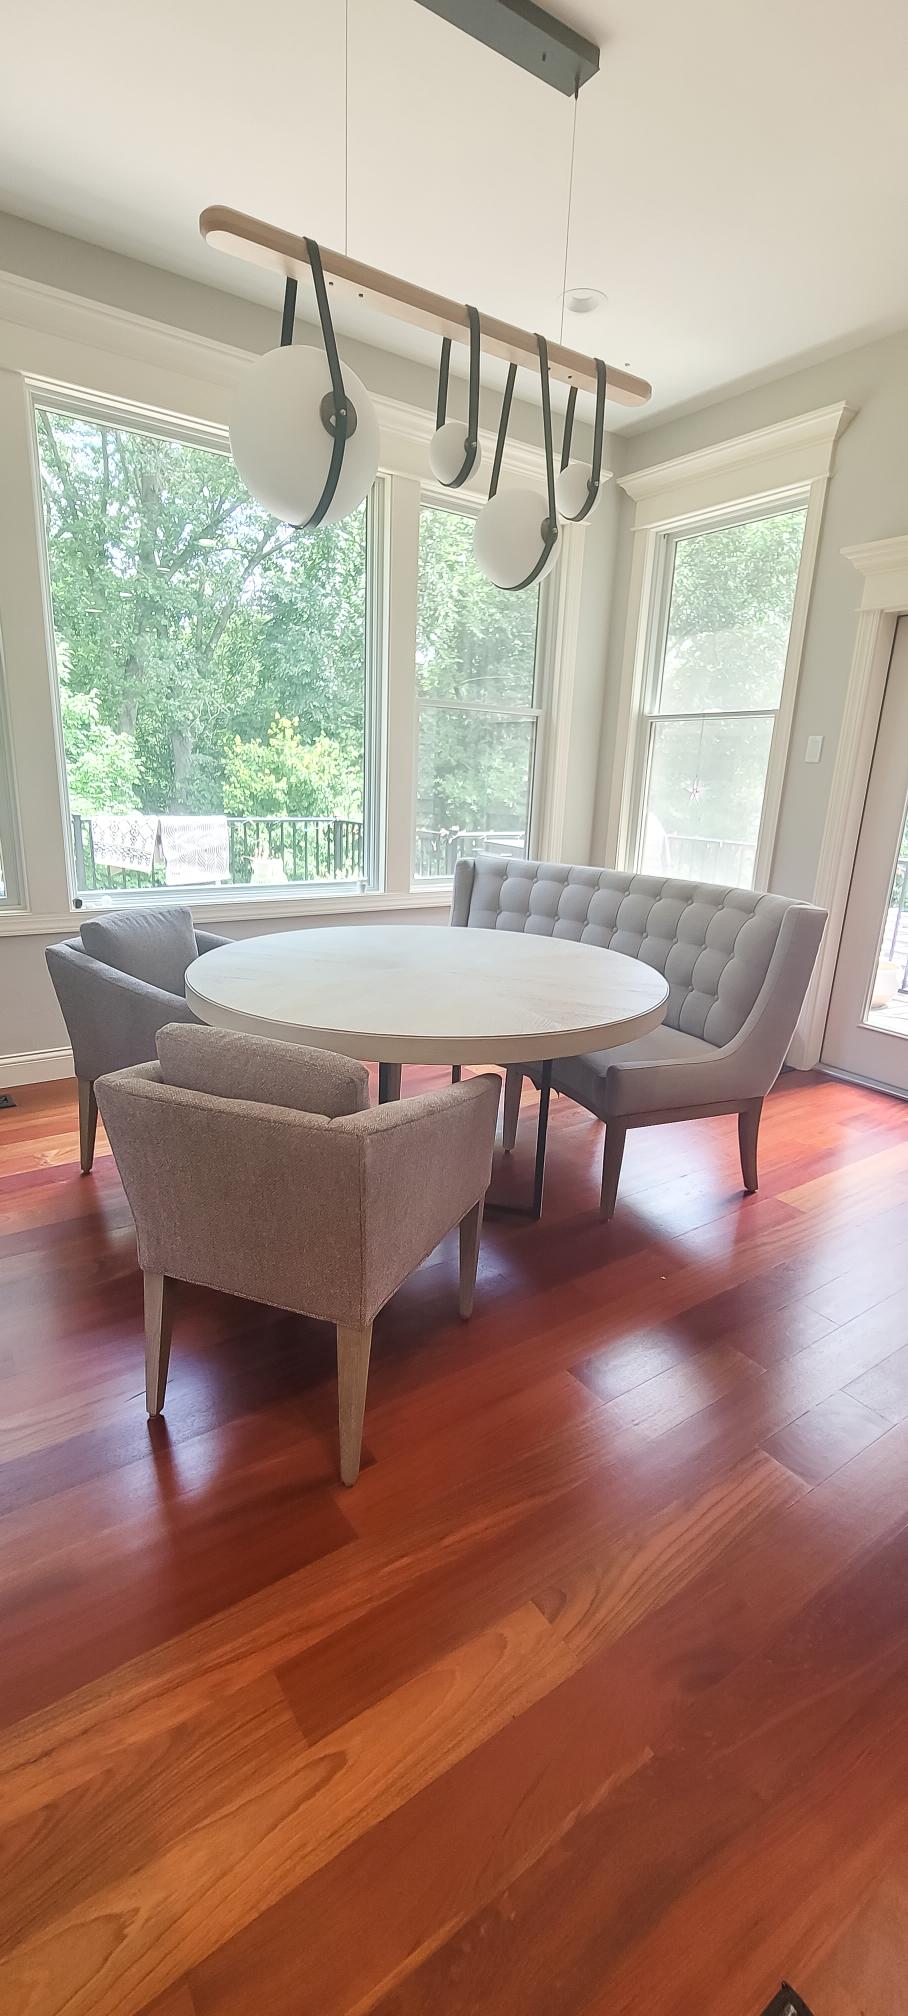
(713, 945)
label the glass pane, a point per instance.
(473, 641)
(704, 798)
(887, 1008)
(211, 665)
(473, 787)
(729, 616)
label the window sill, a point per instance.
(209, 908)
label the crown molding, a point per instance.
(884, 566)
(90, 349)
(786, 456)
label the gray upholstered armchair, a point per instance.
(738, 965)
(259, 1168)
(117, 984)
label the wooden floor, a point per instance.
(591, 1697)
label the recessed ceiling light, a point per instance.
(584, 300)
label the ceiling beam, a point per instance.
(284, 253)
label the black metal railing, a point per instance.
(264, 850)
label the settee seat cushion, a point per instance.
(596, 1078)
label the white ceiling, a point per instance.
(740, 185)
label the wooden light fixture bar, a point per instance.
(282, 252)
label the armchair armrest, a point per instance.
(111, 1019)
(208, 941)
(425, 1162)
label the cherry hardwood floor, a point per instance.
(590, 1697)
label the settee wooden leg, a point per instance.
(353, 1351)
(748, 1130)
(513, 1086)
(158, 1325)
(613, 1152)
(470, 1235)
(88, 1124)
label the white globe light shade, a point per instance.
(447, 450)
(282, 448)
(571, 489)
(509, 538)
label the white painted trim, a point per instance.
(32, 1067)
(210, 908)
(770, 461)
(883, 563)
(558, 644)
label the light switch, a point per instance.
(814, 749)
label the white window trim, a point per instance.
(64, 347)
(13, 902)
(773, 469)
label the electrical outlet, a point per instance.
(814, 749)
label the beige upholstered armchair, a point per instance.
(738, 966)
(259, 1168)
(117, 984)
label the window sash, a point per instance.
(655, 615)
(215, 439)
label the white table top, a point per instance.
(427, 994)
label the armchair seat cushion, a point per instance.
(597, 1080)
(151, 945)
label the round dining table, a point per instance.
(428, 994)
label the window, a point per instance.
(478, 716)
(722, 616)
(213, 667)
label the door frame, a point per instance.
(883, 565)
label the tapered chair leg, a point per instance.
(158, 1324)
(353, 1350)
(470, 1235)
(748, 1132)
(612, 1155)
(513, 1086)
(88, 1124)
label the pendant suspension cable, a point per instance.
(346, 124)
(570, 206)
(338, 418)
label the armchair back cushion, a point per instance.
(714, 945)
(151, 945)
(228, 1066)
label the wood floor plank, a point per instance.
(591, 1695)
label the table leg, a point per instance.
(455, 1074)
(388, 1083)
(534, 1210)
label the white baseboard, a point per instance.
(32, 1067)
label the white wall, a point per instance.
(867, 499)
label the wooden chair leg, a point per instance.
(470, 1235)
(513, 1086)
(612, 1154)
(158, 1324)
(88, 1124)
(353, 1350)
(748, 1132)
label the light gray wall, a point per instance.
(867, 499)
(76, 267)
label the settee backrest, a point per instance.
(713, 945)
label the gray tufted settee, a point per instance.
(738, 966)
